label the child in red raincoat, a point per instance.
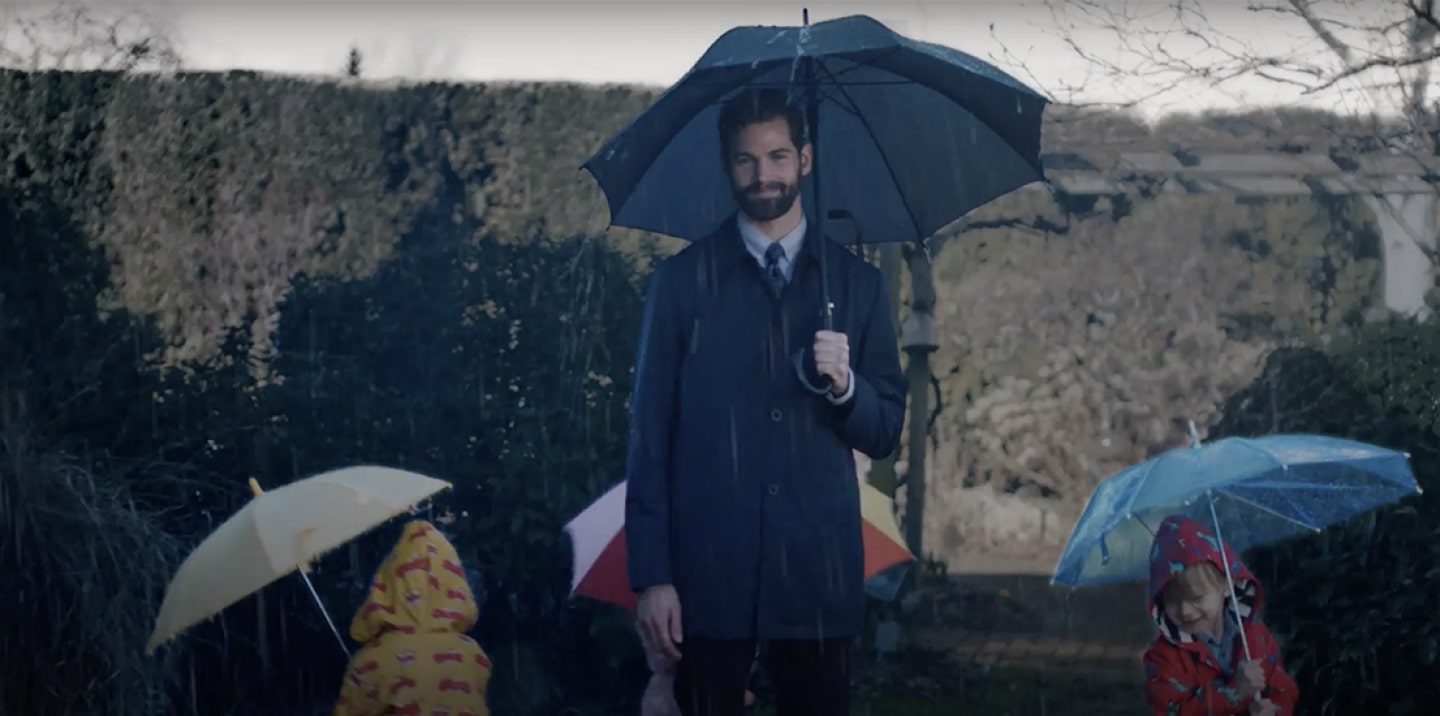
(1196, 666)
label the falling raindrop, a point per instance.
(734, 448)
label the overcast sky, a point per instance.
(654, 41)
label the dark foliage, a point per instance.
(1354, 605)
(502, 367)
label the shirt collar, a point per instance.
(756, 243)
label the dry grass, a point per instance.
(84, 571)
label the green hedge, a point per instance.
(417, 334)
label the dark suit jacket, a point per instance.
(742, 489)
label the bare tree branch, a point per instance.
(1418, 60)
(1304, 9)
(71, 35)
(1378, 52)
(1163, 44)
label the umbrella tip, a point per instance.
(255, 488)
(805, 16)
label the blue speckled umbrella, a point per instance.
(1254, 491)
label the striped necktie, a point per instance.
(774, 276)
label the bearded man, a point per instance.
(742, 513)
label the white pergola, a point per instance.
(1400, 190)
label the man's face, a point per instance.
(765, 169)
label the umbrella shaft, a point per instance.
(1229, 580)
(812, 110)
(326, 614)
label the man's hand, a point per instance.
(832, 359)
(1264, 707)
(1251, 679)
(659, 617)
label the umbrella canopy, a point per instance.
(909, 135)
(1253, 491)
(281, 531)
(597, 536)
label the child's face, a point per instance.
(1197, 611)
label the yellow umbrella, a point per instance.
(279, 532)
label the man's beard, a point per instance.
(767, 208)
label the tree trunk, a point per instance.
(918, 371)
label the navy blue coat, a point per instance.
(742, 490)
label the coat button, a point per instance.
(775, 415)
(774, 489)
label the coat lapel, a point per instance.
(732, 263)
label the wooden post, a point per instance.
(917, 338)
(882, 472)
(918, 371)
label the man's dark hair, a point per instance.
(754, 106)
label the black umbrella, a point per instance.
(908, 136)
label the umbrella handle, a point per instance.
(799, 360)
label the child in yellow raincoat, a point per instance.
(416, 659)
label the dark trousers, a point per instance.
(812, 678)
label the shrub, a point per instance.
(84, 570)
(1354, 604)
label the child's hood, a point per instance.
(1181, 542)
(419, 589)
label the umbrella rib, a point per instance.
(1268, 455)
(834, 76)
(1294, 505)
(875, 64)
(1285, 486)
(1263, 508)
(842, 101)
(1142, 478)
(1283, 467)
(787, 83)
(1141, 520)
(914, 223)
(729, 87)
(1281, 464)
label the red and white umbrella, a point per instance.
(597, 536)
(598, 539)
